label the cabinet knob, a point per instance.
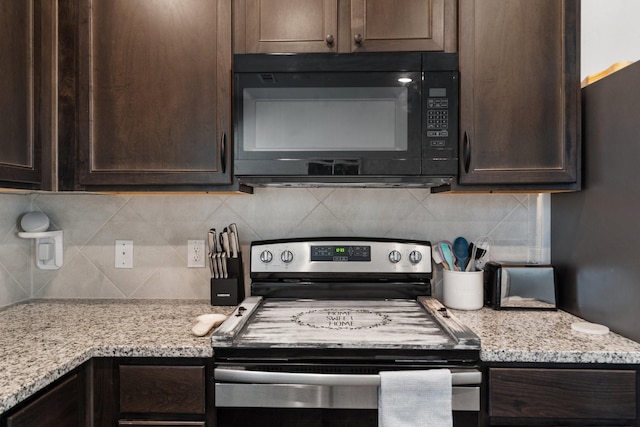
(330, 39)
(358, 38)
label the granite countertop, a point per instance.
(42, 340)
(544, 336)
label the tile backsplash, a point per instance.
(161, 224)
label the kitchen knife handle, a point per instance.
(223, 152)
(223, 262)
(233, 246)
(466, 152)
(233, 227)
(218, 258)
(211, 240)
(224, 239)
(214, 265)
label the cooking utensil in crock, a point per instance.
(446, 251)
(461, 251)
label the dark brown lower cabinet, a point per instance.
(178, 392)
(563, 396)
(162, 423)
(162, 389)
(150, 392)
(108, 392)
(60, 405)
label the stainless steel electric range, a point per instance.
(326, 316)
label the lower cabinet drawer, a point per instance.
(162, 389)
(589, 394)
(125, 423)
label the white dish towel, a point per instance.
(415, 398)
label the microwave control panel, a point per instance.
(440, 122)
(437, 119)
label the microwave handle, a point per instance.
(466, 152)
(463, 377)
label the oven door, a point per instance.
(247, 397)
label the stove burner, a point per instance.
(341, 319)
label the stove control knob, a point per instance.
(266, 257)
(415, 257)
(395, 257)
(286, 256)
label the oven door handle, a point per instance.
(458, 377)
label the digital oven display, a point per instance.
(341, 253)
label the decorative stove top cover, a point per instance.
(394, 324)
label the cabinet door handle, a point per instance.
(330, 39)
(223, 152)
(358, 38)
(466, 152)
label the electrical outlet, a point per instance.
(196, 256)
(124, 254)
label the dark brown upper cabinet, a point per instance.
(293, 26)
(26, 87)
(520, 95)
(153, 101)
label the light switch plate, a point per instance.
(195, 254)
(124, 254)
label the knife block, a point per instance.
(229, 291)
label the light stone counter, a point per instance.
(544, 336)
(42, 340)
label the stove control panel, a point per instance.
(341, 256)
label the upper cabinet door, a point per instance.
(519, 107)
(26, 84)
(399, 25)
(294, 26)
(154, 81)
(291, 26)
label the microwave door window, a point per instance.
(331, 119)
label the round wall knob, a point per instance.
(358, 38)
(286, 256)
(266, 257)
(330, 39)
(415, 257)
(395, 257)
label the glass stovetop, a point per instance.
(343, 324)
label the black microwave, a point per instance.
(366, 119)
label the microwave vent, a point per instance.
(267, 78)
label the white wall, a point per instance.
(610, 33)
